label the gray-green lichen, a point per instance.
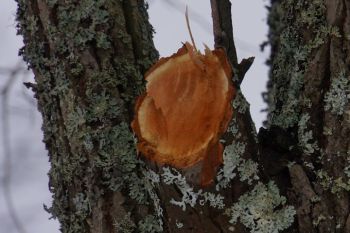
(248, 171)
(125, 225)
(179, 225)
(87, 76)
(88, 72)
(305, 138)
(122, 159)
(336, 185)
(262, 210)
(232, 157)
(240, 104)
(147, 186)
(149, 225)
(82, 205)
(319, 219)
(327, 131)
(288, 69)
(233, 160)
(233, 128)
(338, 95)
(189, 195)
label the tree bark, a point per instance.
(308, 123)
(89, 58)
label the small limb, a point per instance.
(189, 29)
(243, 67)
(222, 28)
(30, 85)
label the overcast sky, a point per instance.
(29, 158)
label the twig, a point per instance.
(243, 67)
(223, 37)
(189, 29)
(7, 165)
(200, 20)
(222, 28)
(203, 23)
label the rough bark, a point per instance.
(89, 58)
(308, 124)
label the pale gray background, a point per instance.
(29, 158)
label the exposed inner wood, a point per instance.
(186, 108)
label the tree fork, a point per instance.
(89, 58)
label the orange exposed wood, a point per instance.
(185, 110)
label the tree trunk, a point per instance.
(308, 94)
(89, 58)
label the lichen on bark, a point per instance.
(308, 102)
(89, 58)
(87, 75)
